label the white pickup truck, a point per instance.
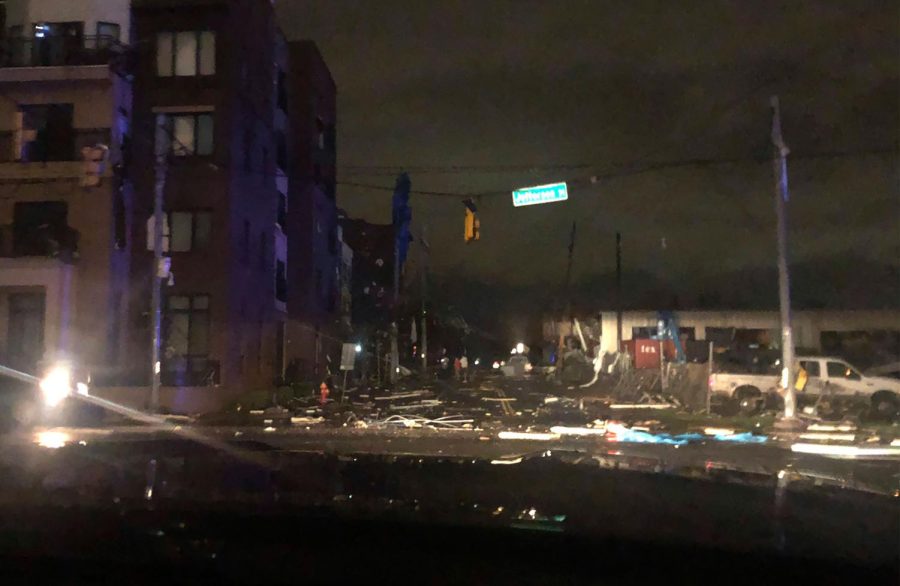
(825, 375)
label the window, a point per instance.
(641, 333)
(282, 90)
(44, 133)
(107, 34)
(320, 134)
(281, 154)
(263, 250)
(41, 228)
(811, 367)
(841, 370)
(189, 230)
(187, 326)
(280, 281)
(183, 231)
(185, 53)
(188, 134)
(245, 241)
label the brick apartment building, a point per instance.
(64, 96)
(218, 97)
(314, 295)
(249, 196)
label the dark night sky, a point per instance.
(427, 85)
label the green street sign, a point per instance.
(529, 196)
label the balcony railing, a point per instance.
(68, 149)
(190, 371)
(44, 241)
(58, 51)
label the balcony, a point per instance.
(58, 51)
(60, 242)
(65, 146)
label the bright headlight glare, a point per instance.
(56, 385)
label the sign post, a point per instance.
(528, 196)
(348, 362)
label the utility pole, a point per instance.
(400, 218)
(618, 291)
(424, 269)
(162, 151)
(395, 350)
(569, 271)
(779, 163)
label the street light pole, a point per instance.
(618, 292)
(779, 163)
(424, 250)
(161, 151)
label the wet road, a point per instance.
(709, 456)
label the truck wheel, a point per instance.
(749, 400)
(885, 405)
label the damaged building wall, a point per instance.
(809, 325)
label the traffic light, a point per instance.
(473, 224)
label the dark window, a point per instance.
(107, 34)
(187, 337)
(280, 281)
(330, 139)
(189, 230)
(318, 285)
(320, 134)
(40, 228)
(185, 53)
(643, 333)
(282, 91)
(686, 333)
(245, 241)
(841, 370)
(188, 134)
(811, 367)
(46, 133)
(57, 43)
(263, 250)
(25, 330)
(281, 150)
(332, 240)
(120, 225)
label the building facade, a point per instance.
(247, 121)
(65, 196)
(314, 253)
(814, 330)
(207, 67)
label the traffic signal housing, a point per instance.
(473, 224)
